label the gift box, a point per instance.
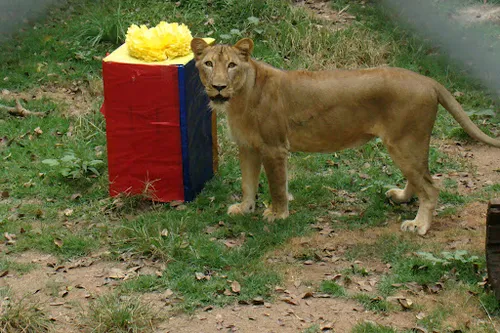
(161, 133)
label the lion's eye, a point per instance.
(209, 64)
(231, 65)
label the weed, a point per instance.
(70, 166)
(118, 314)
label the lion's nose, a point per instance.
(219, 88)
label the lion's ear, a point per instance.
(245, 46)
(197, 46)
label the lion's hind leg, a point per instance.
(398, 196)
(411, 156)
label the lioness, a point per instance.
(271, 112)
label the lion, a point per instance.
(273, 112)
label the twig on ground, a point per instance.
(344, 9)
(20, 111)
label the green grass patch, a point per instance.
(22, 315)
(118, 314)
(333, 288)
(371, 303)
(368, 327)
(312, 329)
(7, 264)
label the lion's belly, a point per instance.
(323, 138)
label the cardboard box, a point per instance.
(161, 133)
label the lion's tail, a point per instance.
(449, 102)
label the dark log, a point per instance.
(493, 246)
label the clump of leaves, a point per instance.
(73, 167)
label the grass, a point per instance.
(333, 288)
(312, 329)
(74, 217)
(371, 303)
(7, 264)
(368, 327)
(118, 314)
(23, 316)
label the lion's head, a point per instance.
(223, 68)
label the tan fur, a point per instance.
(271, 112)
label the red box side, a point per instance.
(143, 130)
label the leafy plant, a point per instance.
(251, 26)
(71, 166)
(448, 258)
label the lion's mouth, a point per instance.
(219, 99)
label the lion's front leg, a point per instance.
(250, 164)
(275, 165)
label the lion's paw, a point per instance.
(270, 215)
(239, 209)
(397, 195)
(415, 226)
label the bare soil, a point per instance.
(76, 99)
(335, 20)
(479, 14)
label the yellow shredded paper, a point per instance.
(165, 41)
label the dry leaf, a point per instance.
(76, 196)
(289, 300)
(5, 194)
(258, 301)
(308, 294)
(326, 327)
(199, 276)
(59, 242)
(406, 303)
(164, 233)
(116, 274)
(235, 287)
(176, 203)
(57, 304)
(38, 131)
(420, 315)
(68, 212)
(168, 293)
